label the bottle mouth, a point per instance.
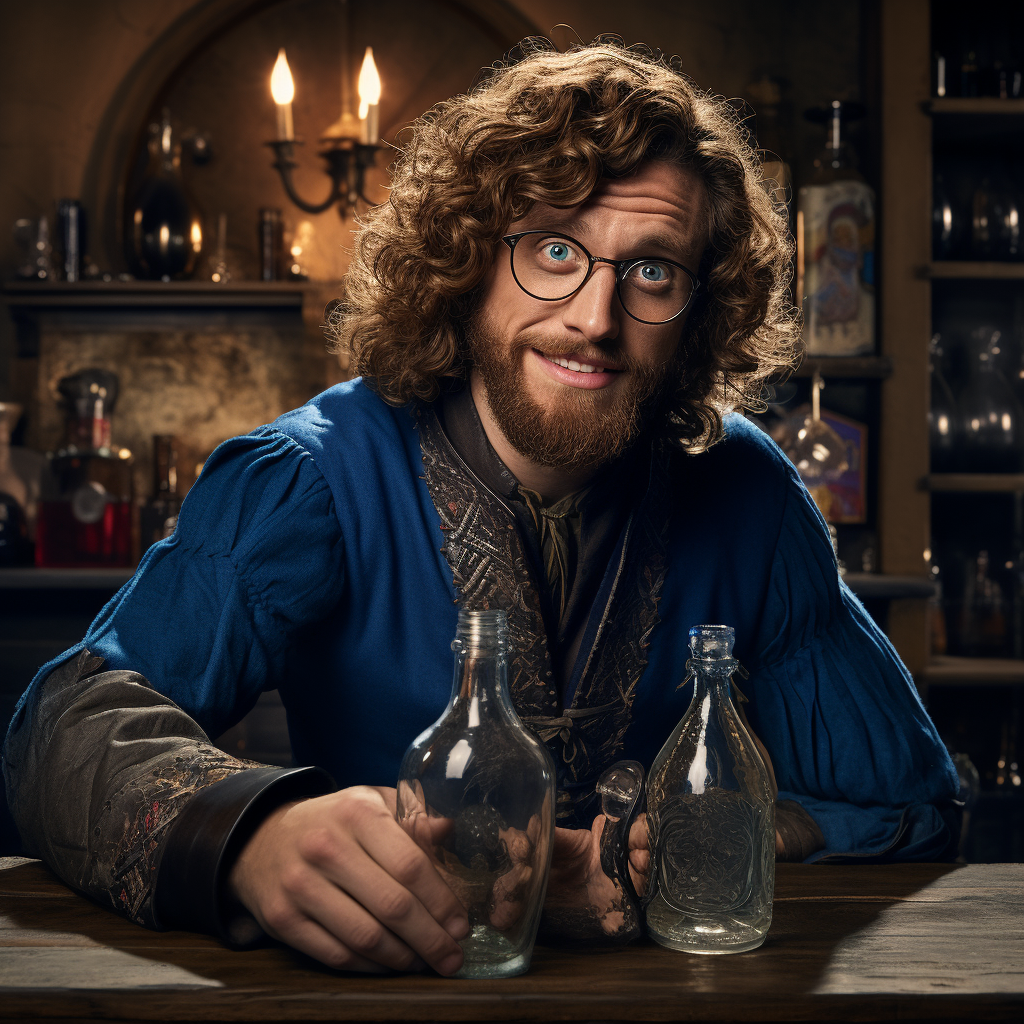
(481, 630)
(712, 643)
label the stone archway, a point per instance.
(119, 133)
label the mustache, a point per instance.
(569, 348)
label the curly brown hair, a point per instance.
(546, 128)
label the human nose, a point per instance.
(593, 311)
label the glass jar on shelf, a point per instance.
(990, 415)
(85, 511)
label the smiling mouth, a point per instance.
(578, 367)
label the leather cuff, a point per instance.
(207, 835)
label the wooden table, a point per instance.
(847, 943)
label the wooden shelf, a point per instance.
(974, 270)
(870, 586)
(873, 367)
(30, 578)
(974, 105)
(981, 483)
(949, 671)
(161, 294)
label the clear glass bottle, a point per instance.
(477, 791)
(711, 818)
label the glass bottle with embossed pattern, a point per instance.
(477, 792)
(710, 818)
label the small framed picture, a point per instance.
(848, 494)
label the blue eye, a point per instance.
(557, 251)
(653, 272)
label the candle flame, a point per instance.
(282, 86)
(369, 83)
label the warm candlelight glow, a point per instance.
(369, 83)
(282, 86)
(369, 98)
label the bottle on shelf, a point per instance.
(477, 791)
(937, 634)
(85, 513)
(995, 219)
(165, 233)
(766, 96)
(944, 425)
(990, 416)
(983, 614)
(159, 515)
(1008, 774)
(949, 223)
(711, 818)
(835, 246)
(15, 496)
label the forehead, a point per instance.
(660, 203)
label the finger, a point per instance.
(638, 835)
(314, 940)
(353, 927)
(509, 897)
(408, 865)
(640, 860)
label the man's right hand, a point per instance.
(339, 879)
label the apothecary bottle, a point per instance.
(85, 510)
(711, 818)
(835, 237)
(477, 791)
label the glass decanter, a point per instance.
(710, 818)
(477, 791)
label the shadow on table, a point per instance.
(816, 911)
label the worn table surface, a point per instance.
(847, 943)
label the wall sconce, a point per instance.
(349, 146)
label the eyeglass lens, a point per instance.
(553, 267)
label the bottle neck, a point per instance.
(481, 680)
(712, 677)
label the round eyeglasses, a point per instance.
(551, 266)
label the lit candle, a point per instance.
(282, 88)
(369, 99)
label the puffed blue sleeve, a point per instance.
(839, 713)
(257, 554)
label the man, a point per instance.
(579, 272)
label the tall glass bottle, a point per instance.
(835, 237)
(711, 818)
(477, 791)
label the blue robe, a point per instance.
(308, 558)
